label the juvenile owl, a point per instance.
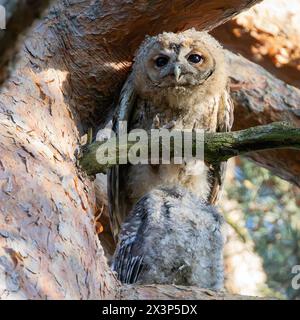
(178, 81)
(171, 237)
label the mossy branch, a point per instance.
(218, 147)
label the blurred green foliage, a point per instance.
(272, 217)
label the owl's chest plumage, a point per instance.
(192, 175)
(182, 115)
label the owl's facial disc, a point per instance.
(180, 66)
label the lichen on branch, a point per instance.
(218, 146)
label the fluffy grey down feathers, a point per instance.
(171, 237)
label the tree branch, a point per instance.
(167, 292)
(218, 147)
(98, 48)
(260, 98)
(222, 146)
(20, 14)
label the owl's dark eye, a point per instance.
(161, 61)
(195, 58)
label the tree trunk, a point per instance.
(19, 15)
(68, 74)
(48, 245)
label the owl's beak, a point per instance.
(177, 72)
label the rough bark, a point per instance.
(261, 98)
(218, 147)
(20, 14)
(152, 292)
(48, 244)
(48, 247)
(267, 34)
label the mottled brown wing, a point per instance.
(115, 176)
(224, 124)
(129, 255)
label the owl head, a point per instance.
(190, 61)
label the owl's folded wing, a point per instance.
(123, 113)
(129, 255)
(224, 124)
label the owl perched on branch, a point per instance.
(171, 237)
(179, 81)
